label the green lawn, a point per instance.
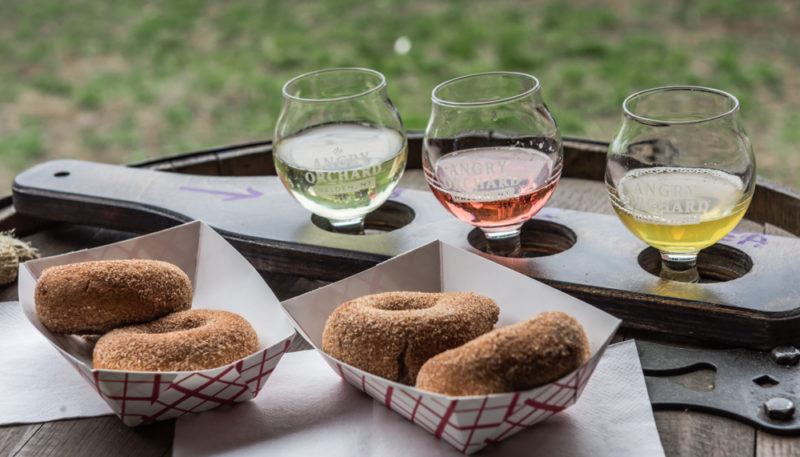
(123, 80)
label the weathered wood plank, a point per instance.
(99, 436)
(13, 438)
(692, 434)
(768, 445)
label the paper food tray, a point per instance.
(222, 279)
(468, 423)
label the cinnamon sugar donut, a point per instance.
(512, 358)
(392, 334)
(191, 340)
(94, 297)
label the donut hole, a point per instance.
(398, 306)
(538, 238)
(390, 302)
(184, 324)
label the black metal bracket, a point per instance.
(758, 388)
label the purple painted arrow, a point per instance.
(229, 196)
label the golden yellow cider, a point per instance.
(680, 210)
(682, 238)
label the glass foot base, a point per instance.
(679, 267)
(506, 244)
(350, 226)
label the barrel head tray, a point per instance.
(750, 298)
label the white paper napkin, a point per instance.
(28, 366)
(306, 409)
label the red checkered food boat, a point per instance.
(467, 423)
(222, 279)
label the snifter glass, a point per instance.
(492, 153)
(339, 146)
(680, 172)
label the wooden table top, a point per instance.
(682, 433)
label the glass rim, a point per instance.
(381, 84)
(663, 122)
(440, 101)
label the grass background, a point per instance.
(122, 80)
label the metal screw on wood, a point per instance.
(786, 355)
(779, 408)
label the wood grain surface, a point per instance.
(683, 434)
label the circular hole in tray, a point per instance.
(538, 238)
(718, 263)
(390, 216)
(61, 174)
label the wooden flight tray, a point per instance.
(749, 297)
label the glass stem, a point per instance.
(679, 267)
(349, 226)
(506, 244)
